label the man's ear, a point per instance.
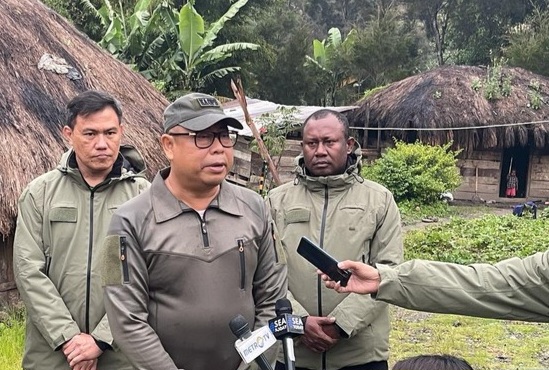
(167, 143)
(67, 134)
(350, 144)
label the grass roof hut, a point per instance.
(497, 115)
(33, 100)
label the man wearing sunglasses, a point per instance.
(189, 255)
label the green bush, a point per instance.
(416, 171)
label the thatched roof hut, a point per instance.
(455, 97)
(32, 100)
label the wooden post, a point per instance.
(238, 92)
(366, 124)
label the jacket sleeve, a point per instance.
(45, 306)
(356, 311)
(126, 300)
(514, 289)
(102, 331)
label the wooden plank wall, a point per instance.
(480, 173)
(240, 173)
(538, 185)
(7, 281)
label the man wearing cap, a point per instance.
(192, 252)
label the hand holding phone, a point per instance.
(323, 261)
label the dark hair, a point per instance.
(322, 113)
(90, 102)
(433, 362)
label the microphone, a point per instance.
(284, 327)
(251, 345)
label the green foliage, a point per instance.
(534, 95)
(174, 48)
(529, 43)
(275, 127)
(488, 239)
(496, 84)
(388, 48)
(327, 60)
(12, 335)
(416, 171)
(82, 18)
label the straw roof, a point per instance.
(454, 96)
(33, 100)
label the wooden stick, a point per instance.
(238, 92)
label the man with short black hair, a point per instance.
(351, 218)
(63, 215)
(187, 256)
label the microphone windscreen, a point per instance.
(283, 306)
(239, 326)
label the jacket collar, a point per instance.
(341, 181)
(129, 163)
(166, 206)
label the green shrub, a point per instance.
(487, 239)
(416, 171)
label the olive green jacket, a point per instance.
(351, 218)
(513, 289)
(61, 223)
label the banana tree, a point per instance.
(197, 56)
(139, 38)
(328, 59)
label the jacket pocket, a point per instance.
(124, 260)
(64, 214)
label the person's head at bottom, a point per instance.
(198, 142)
(432, 362)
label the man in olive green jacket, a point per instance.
(350, 218)
(63, 218)
(513, 289)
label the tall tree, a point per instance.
(389, 48)
(327, 61)
(529, 43)
(436, 15)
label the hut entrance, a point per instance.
(516, 158)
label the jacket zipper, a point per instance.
(319, 281)
(240, 243)
(205, 238)
(48, 265)
(88, 272)
(124, 259)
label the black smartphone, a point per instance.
(323, 261)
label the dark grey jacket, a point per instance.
(173, 281)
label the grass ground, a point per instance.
(12, 331)
(486, 344)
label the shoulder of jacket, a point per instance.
(38, 183)
(372, 186)
(284, 189)
(140, 201)
(245, 194)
